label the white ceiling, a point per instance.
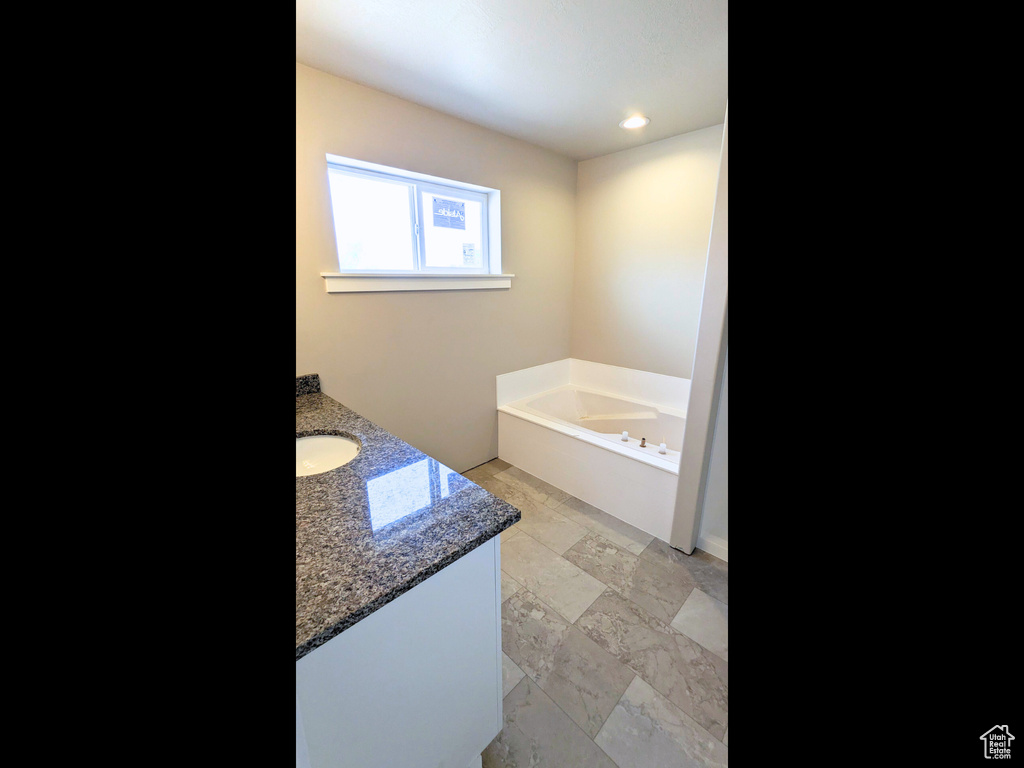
(561, 74)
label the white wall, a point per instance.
(714, 524)
(610, 275)
(423, 365)
(708, 362)
(643, 218)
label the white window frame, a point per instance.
(423, 278)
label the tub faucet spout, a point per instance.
(643, 442)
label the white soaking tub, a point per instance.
(563, 422)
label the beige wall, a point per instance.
(422, 365)
(643, 219)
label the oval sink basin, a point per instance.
(322, 453)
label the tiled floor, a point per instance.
(615, 646)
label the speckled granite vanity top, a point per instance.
(372, 529)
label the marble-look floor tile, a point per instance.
(476, 474)
(546, 526)
(537, 734)
(509, 586)
(551, 529)
(647, 583)
(565, 587)
(487, 469)
(706, 620)
(646, 730)
(492, 484)
(511, 674)
(531, 633)
(619, 532)
(586, 681)
(537, 489)
(513, 494)
(580, 677)
(708, 572)
(692, 678)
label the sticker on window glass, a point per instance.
(448, 213)
(470, 258)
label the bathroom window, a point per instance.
(392, 227)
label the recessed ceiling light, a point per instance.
(636, 121)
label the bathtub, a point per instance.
(564, 422)
(599, 419)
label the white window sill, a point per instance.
(348, 282)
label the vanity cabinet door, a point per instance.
(417, 683)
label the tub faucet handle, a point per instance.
(625, 437)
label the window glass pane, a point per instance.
(452, 231)
(372, 223)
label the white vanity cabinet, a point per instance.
(417, 684)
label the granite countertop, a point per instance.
(372, 529)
